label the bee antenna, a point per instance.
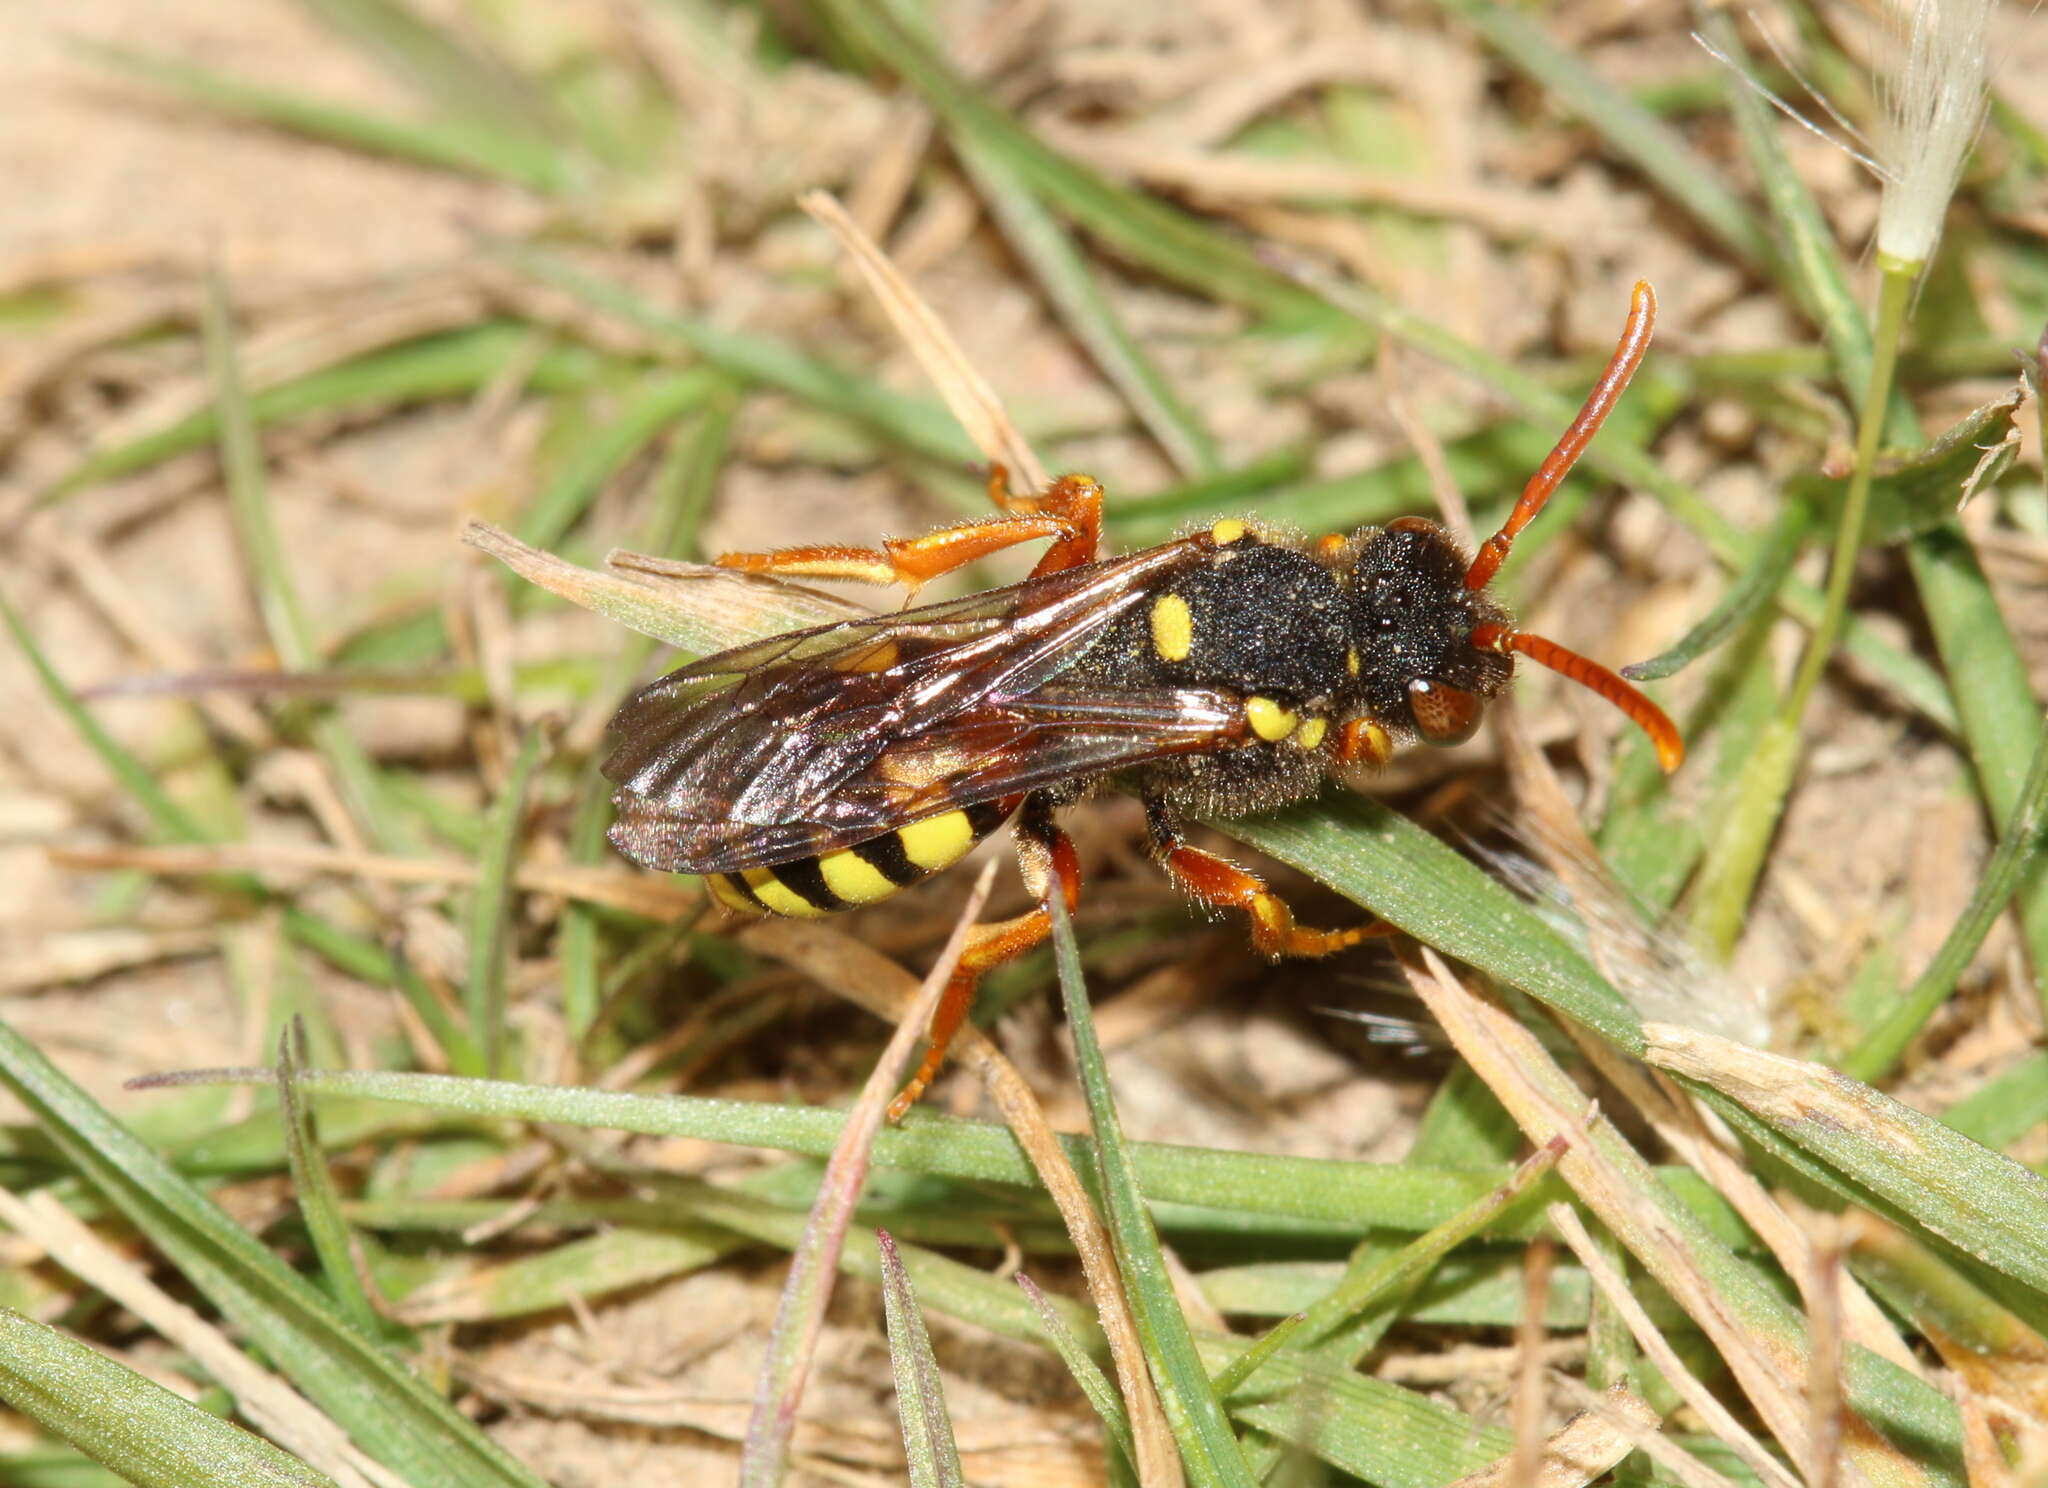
(1628, 355)
(1638, 709)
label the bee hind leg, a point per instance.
(1221, 884)
(1069, 513)
(1046, 858)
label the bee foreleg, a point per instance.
(1046, 858)
(1220, 883)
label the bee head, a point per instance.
(1412, 621)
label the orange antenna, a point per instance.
(1628, 355)
(1491, 635)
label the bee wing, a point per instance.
(747, 757)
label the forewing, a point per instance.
(746, 757)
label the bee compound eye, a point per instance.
(1443, 714)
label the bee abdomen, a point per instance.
(864, 873)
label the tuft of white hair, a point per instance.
(1931, 90)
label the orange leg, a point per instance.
(1220, 883)
(1047, 859)
(1070, 513)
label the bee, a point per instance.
(1227, 671)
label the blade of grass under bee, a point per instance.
(314, 1184)
(446, 144)
(388, 1411)
(2018, 851)
(284, 615)
(928, 1446)
(913, 423)
(491, 905)
(1086, 1372)
(131, 1425)
(1091, 315)
(1208, 1447)
(1632, 130)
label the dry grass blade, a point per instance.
(267, 1401)
(1629, 954)
(1576, 1453)
(815, 1264)
(1760, 1339)
(1614, 1287)
(1645, 1437)
(843, 965)
(966, 393)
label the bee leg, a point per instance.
(1046, 858)
(1070, 513)
(1220, 883)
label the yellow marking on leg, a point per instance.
(937, 841)
(1173, 628)
(853, 878)
(778, 897)
(1310, 734)
(1268, 719)
(725, 893)
(1227, 531)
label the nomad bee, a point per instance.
(1227, 671)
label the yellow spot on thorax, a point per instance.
(937, 841)
(1351, 661)
(1229, 530)
(1269, 720)
(1310, 734)
(1173, 628)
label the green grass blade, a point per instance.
(2017, 854)
(565, 1274)
(1756, 586)
(1378, 858)
(456, 79)
(915, 424)
(1087, 312)
(451, 364)
(933, 1457)
(319, 1206)
(1986, 1205)
(284, 615)
(442, 144)
(1352, 1196)
(1141, 226)
(2006, 1107)
(1086, 1372)
(131, 1425)
(1993, 702)
(1632, 130)
(491, 905)
(653, 404)
(388, 1411)
(166, 816)
(1208, 1446)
